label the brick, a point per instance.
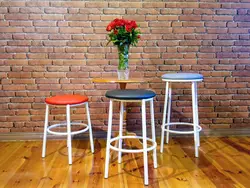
(11, 30)
(97, 4)
(223, 43)
(52, 17)
(204, 11)
(4, 23)
(167, 18)
(238, 30)
(12, 4)
(19, 43)
(16, 17)
(16, 62)
(231, 24)
(31, 10)
(215, 24)
(185, 5)
(226, 55)
(210, 49)
(170, 11)
(152, 5)
(15, 87)
(183, 30)
(81, 24)
(57, 10)
(210, 5)
(37, 4)
(193, 24)
(45, 23)
(241, 49)
(243, 18)
(190, 43)
(114, 11)
(226, 11)
(217, 30)
(5, 36)
(190, 18)
(150, 11)
(70, 4)
(76, 17)
(72, 30)
(223, 18)
(36, 36)
(47, 30)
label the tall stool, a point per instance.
(181, 77)
(131, 95)
(68, 101)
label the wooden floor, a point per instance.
(223, 162)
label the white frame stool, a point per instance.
(120, 137)
(69, 133)
(167, 104)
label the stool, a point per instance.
(68, 101)
(131, 95)
(181, 77)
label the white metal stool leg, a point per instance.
(106, 174)
(90, 128)
(195, 111)
(120, 131)
(45, 130)
(69, 134)
(164, 116)
(144, 135)
(153, 130)
(169, 110)
(197, 115)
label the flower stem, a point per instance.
(123, 56)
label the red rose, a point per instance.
(115, 32)
(133, 24)
(119, 22)
(109, 28)
(139, 36)
(128, 28)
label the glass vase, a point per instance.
(123, 69)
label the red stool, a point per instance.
(68, 101)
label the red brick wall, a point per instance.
(52, 47)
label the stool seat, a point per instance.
(182, 76)
(130, 94)
(66, 99)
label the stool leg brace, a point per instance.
(167, 104)
(144, 136)
(69, 133)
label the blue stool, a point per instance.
(131, 95)
(181, 77)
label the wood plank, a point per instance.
(223, 162)
(205, 163)
(226, 163)
(56, 169)
(182, 169)
(14, 167)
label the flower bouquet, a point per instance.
(123, 33)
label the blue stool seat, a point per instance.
(182, 76)
(130, 94)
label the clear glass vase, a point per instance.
(123, 69)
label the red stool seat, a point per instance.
(66, 99)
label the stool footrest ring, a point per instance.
(132, 150)
(65, 133)
(199, 128)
